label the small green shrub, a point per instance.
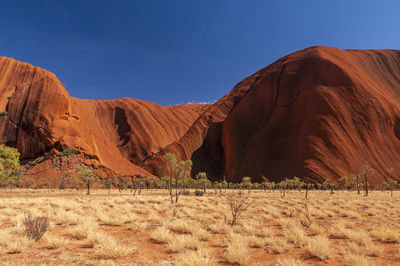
(37, 161)
(67, 152)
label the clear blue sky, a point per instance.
(173, 52)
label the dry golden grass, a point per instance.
(358, 260)
(178, 243)
(110, 248)
(203, 235)
(320, 247)
(183, 226)
(201, 257)
(161, 235)
(279, 245)
(82, 230)
(369, 250)
(18, 245)
(385, 234)
(289, 262)
(237, 250)
(343, 228)
(295, 234)
(255, 241)
(55, 242)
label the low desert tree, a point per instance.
(221, 186)
(45, 182)
(377, 187)
(13, 179)
(237, 203)
(9, 163)
(26, 182)
(41, 183)
(307, 187)
(108, 183)
(295, 183)
(122, 183)
(75, 182)
(218, 187)
(186, 183)
(175, 170)
(389, 181)
(224, 185)
(165, 182)
(356, 179)
(202, 180)
(256, 186)
(246, 183)
(137, 182)
(88, 176)
(269, 185)
(152, 182)
(344, 182)
(366, 170)
(264, 183)
(9, 160)
(52, 182)
(331, 188)
(63, 181)
(191, 183)
(325, 185)
(283, 185)
(348, 183)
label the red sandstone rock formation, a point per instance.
(319, 113)
(119, 134)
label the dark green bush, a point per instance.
(67, 152)
(37, 161)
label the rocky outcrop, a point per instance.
(39, 115)
(319, 113)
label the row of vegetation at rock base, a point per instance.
(176, 176)
(176, 180)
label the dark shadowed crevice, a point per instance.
(396, 128)
(124, 128)
(209, 157)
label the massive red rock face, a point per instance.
(319, 113)
(119, 134)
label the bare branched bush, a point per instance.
(198, 193)
(175, 171)
(35, 227)
(185, 192)
(306, 216)
(238, 203)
